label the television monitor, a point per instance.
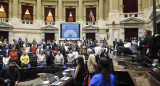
(70, 31)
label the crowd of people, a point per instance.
(92, 57)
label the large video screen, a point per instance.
(70, 31)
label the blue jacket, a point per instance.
(97, 80)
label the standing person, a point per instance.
(5, 60)
(146, 43)
(104, 76)
(48, 54)
(38, 51)
(24, 60)
(84, 48)
(91, 64)
(79, 72)
(10, 76)
(139, 44)
(20, 52)
(41, 58)
(120, 43)
(59, 58)
(115, 43)
(14, 54)
(33, 49)
(27, 48)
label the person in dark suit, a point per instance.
(139, 44)
(146, 43)
(49, 57)
(52, 46)
(6, 50)
(20, 52)
(10, 76)
(120, 43)
(115, 43)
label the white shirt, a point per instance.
(70, 57)
(27, 49)
(41, 58)
(97, 50)
(128, 45)
(75, 53)
(59, 59)
(5, 60)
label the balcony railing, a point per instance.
(27, 21)
(4, 20)
(94, 23)
(128, 15)
(49, 23)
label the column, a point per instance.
(39, 13)
(10, 9)
(139, 5)
(107, 9)
(15, 9)
(80, 10)
(60, 10)
(100, 9)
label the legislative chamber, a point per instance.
(79, 42)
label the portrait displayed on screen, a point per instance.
(70, 31)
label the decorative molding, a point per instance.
(90, 27)
(132, 20)
(71, 4)
(93, 3)
(49, 3)
(49, 27)
(33, 2)
(5, 25)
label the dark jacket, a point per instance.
(12, 75)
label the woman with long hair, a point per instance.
(79, 72)
(146, 43)
(104, 76)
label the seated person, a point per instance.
(79, 72)
(41, 58)
(104, 76)
(24, 59)
(5, 60)
(59, 59)
(10, 76)
(70, 56)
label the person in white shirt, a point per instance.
(97, 49)
(5, 60)
(70, 56)
(27, 48)
(41, 59)
(75, 53)
(127, 44)
(59, 58)
(38, 51)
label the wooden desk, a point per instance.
(136, 73)
(143, 79)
